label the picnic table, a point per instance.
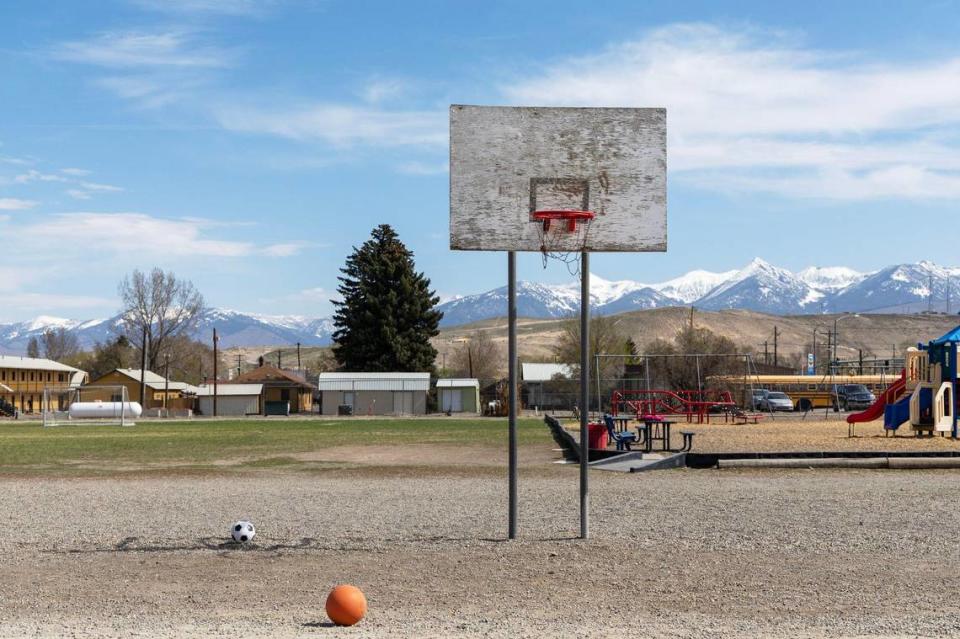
(622, 422)
(655, 430)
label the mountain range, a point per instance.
(759, 286)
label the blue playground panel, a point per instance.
(896, 414)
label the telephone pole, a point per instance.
(766, 355)
(776, 334)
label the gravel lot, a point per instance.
(675, 553)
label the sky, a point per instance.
(249, 145)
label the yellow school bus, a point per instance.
(806, 391)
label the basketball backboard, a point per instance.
(506, 163)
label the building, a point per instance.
(280, 388)
(458, 395)
(179, 395)
(547, 386)
(374, 393)
(22, 380)
(233, 400)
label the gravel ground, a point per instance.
(674, 553)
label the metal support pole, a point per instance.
(596, 364)
(512, 401)
(584, 393)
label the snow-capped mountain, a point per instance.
(759, 286)
(234, 329)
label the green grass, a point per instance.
(199, 444)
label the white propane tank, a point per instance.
(104, 409)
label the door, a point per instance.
(403, 402)
(456, 405)
(446, 400)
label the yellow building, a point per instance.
(179, 394)
(22, 380)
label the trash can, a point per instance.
(597, 435)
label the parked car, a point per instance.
(776, 401)
(854, 397)
(757, 397)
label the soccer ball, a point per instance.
(242, 531)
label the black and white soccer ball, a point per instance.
(243, 531)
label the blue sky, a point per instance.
(249, 145)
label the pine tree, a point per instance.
(33, 347)
(387, 313)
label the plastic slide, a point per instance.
(889, 396)
(897, 414)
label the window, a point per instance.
(31, 376)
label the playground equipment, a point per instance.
(925, 396)
(692, 404)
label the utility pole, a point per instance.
(216, 356)
(691, 318)
(143, 369)
(766, 358)
(239, 364)
(860, 367)
(298, 357)
(776, 334)
(166, 383)
(836, 338)
(280, 358)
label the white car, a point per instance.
(775, 401)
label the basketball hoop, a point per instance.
(566, 240)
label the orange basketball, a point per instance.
(346, 605)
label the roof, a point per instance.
(542, 372)
(151, 379)
(34, 364)
(952, 336)
(224, 390)
(5, 389)
(458, 383)
(272, 376)
(374, 382)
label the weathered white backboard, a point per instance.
(507, 162)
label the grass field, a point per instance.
(222, 445)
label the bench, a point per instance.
(743, 417)
(687, 440)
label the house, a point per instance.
(22, 380)
(458, 395)
(280, 389)
(178, 395)
(374, 393)
(547, 386)
(233, 400)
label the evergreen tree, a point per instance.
(33, 347)
(387, 314)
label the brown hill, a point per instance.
(875, 335)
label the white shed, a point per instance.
(374, 393)
(233, 400)
(459, 395)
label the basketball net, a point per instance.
(563, 236)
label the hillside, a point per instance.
(877, 335)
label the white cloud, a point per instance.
(753, 110)
(74, 172)
(15, 204)
(87, 189)
(141, 234)
(341, 125)
(380, 89)
(137, 49)
(36, 176)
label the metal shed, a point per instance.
(459, 395)
(374, 393)
(233, 400)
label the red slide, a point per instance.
(889, 396)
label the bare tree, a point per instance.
(478, 356)
(686, 373)
(606, 338)
(163, 306)
(59, 344)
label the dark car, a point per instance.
(854, 397)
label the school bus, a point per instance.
(806, 391)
